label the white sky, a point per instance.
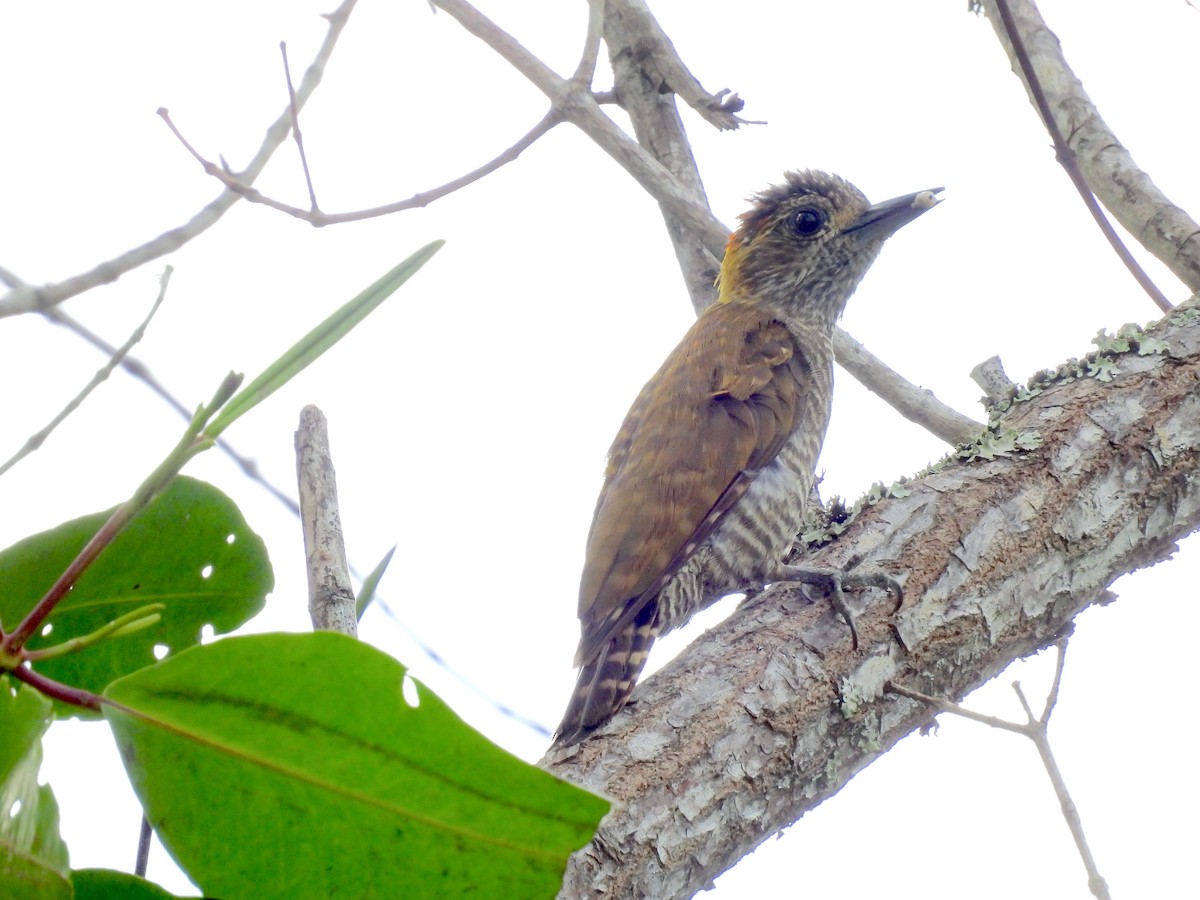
(471, 415)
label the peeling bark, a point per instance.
(771, 712)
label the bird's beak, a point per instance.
(883, 219)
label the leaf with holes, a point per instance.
(33, 857)
(286, 766)
(190, 550)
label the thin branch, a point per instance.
(116, 358)
(1066, 157)
(299, 138)
(915, 403)
(143, 849)
(1056, 684)
(576, 105)
(945, 706)
(1036, 729)
(1041, 739)
(586, 70)
(138, 369)
(30, 299)
(320, 219)
(659, 128)
(1093, 157)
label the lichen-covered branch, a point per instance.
(331, 603)
(771, 712)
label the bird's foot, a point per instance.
(833, 581)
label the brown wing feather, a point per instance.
(720, 408)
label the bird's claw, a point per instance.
(833, 581)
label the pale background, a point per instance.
(471, 414)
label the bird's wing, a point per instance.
(720, 408)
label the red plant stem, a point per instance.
(61, 587)
(58, 690)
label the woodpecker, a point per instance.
(708, 478)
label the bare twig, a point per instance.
(575, 104)
(299, 138)
(138, 369)
(1091, 154)
(320, 219)
(10, 279)
(658, 127)
(586, 70)
(954, 709)
(915, 403)
(116, 357)
(29, 299)
(143, 850)
(1036, 728)
(330, 593)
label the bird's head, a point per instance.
(805, 244)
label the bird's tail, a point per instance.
(606, 680)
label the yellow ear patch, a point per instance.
(728, 278)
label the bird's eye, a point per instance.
(808, 221)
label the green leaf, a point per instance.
(22, 878)
(291, 766)
(24, 718)
(105, 884)
(306, 350)
(367, 592)
(190, 549)
(33, 857)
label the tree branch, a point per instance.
(1106, 166)
(916, 404)
(575, 103)
(27, 298)
(319, 218)
(117, 356)
(658, 128)
(1037, 730)
(770, 713)
(655, 55)
(138, 370)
